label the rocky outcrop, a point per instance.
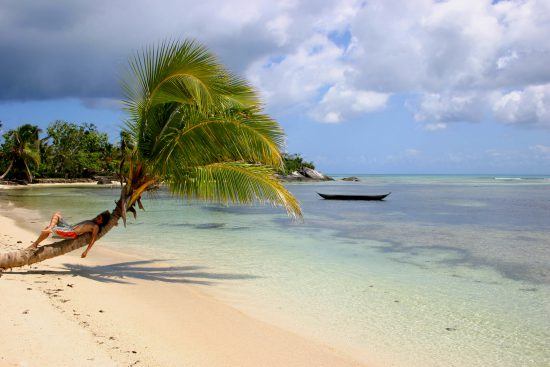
(315, 175)
(305, 174)
(294, 176)
(104, 181)
(352, 178)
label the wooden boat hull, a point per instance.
(353, 197)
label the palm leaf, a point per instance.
(234, 135)
(32, 154)
(182, 72)
(233, 182)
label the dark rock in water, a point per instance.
(352, 178)
(528, 289)
(296, 175)
(209, 225)
(104, 181)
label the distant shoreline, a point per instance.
(58, 184)
(54, 182)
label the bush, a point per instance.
(294, 162)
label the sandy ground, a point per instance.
(114, 309)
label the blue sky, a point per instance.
(359, 86)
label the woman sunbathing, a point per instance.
(62, 229)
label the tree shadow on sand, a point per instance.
(124, 272)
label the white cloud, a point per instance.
(412, 152)
(460, 60)
(528, 106)
(506, 61)
(435, 126)
(296, 80)
(454, 56)
(543, 149)
(450, 107)
(342, 102)
(279, 28)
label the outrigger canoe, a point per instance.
(353, 197)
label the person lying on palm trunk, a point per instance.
(62, 229)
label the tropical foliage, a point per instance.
(67, 150)
(199, 129)
(20, 152)
(77, 151)
(294, 162)
(71, 150)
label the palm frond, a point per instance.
(194, 138)
(182, 72)
(233, 182)
(32, 154)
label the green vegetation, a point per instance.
(20, 152)
(294, 162)
(70, 150)
(67, 150)
(78, 151)
(201, 130)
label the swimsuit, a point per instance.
(64, 230)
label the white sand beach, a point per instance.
(70, 311)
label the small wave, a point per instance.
(522, 178)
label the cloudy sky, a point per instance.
(412, 86)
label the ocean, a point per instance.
(447, 271)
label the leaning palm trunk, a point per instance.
(30, 256)
(28, 172)
(7, 171)
(128, 198)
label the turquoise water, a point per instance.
(448, 271)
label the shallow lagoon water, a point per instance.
(448, 271)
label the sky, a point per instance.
(411, 86)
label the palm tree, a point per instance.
(21, 149)
(194, 127)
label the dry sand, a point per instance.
(114, 309)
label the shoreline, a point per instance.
(117, 309)
(57, 184)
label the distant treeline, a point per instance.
(64, 150)
(70, 150)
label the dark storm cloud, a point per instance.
(79, 49)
